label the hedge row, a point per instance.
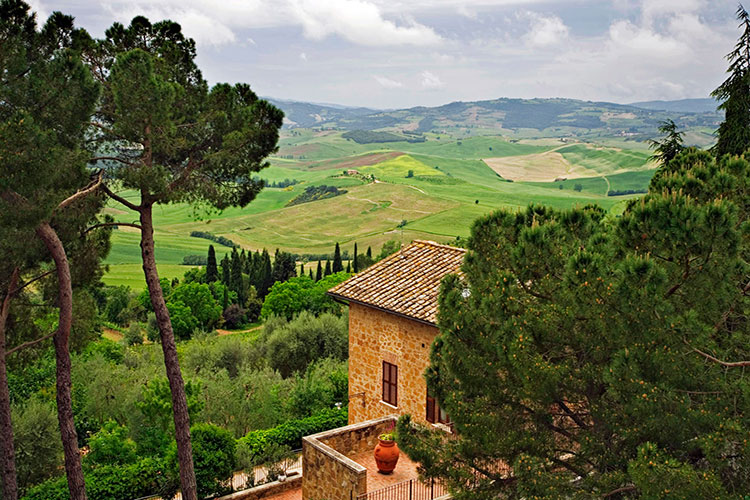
(107, 482)
(290, 433)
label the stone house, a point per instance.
(392, 323)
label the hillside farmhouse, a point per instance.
(392, 323)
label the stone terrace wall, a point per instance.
(327, 472)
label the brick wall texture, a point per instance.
(376, 336)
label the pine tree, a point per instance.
(319, 272)
(182, 140)
(668, 147)
(356, 259)
(734, 95)
(531, 364)
(327, 271)
(212, 272)
(338, 265)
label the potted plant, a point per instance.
(386, 451)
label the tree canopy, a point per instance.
(600, 357)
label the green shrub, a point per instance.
(108, 482)
(213, 457)
(111, 446)
(290, 433)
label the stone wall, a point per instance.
(266, 490)
(376, 336)
(327, 471)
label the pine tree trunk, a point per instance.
(176, 384)
(10, 480)
(73, 469)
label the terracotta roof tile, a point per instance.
(407, 282)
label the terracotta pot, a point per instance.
(386, 456)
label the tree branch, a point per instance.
(109, 158)
(93, 186)
(32, 280)
(624, 489)
(30, 343)
(131, 206)
(728, 364)
(112, 224)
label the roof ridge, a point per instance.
(440, 245)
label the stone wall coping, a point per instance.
(317, 441)
(265, 490)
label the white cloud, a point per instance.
(431, 81)
(215, 23)
(360, 22)
(387, 82)
(303, 56)
(545, 30)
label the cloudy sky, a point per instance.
(400, 53)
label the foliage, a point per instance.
(212, 271)
(301, 294)
(110, 445)
(213, 456)
(134, 334)
(289, 433)
(290, 347)
(370, 137)
(194, 260)
(389, 248)
(624, 192)
(324, 383)
(201, 302)
(183, 321)
(108, 482)
(668, 147)
(588, 334)
(234, 316)
(315, 193)
(37, 442)
(117, 301)
(221, 240)
(734, 95)
(337, 265)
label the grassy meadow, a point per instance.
(430, 190)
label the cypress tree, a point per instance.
(338, 266)
(302, 269)
(225, 271)
(266, 274)
(356, 263)
(328, 268)
(236, 276)
(311, 275)
(348, 266)
(225, 300)
(319, 272)
(369, 253)
(212, 272)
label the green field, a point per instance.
(450, 187)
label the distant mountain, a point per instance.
(680, 106)
(513, 117)
(307, 114)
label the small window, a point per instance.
(434, 412)
(390, 383)
(431, 409)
